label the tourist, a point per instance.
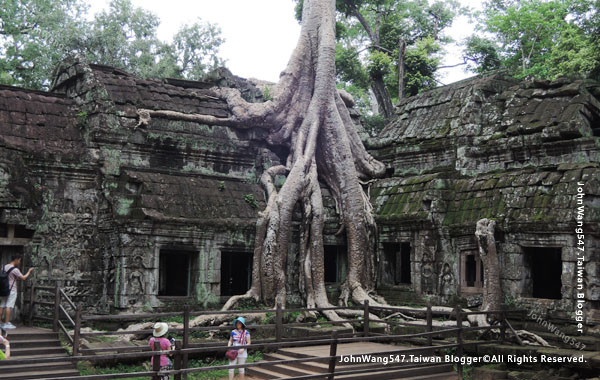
(8, 302)
(6, 343)
(239, 337)
(160, 330)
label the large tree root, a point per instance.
(309, 118)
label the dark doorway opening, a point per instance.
(236, 272)
(471, 277)
(8, 251)
(396, 265)
(335, 262)
(470, 270)
(545, 269)
(176, 272)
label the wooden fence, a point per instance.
(184, 348)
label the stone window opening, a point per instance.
(236, 272)
(543, 271)
(335, 263)
(396, 265)
(177, 272)
(471, 272)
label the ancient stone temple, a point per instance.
(133, 216)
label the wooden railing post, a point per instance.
(186, 337)
(278, 323)
(77, 331)
(503, 326)
(156, 361)
(459, 340)
(56, 306)
(366, 318)
(177, 360)
(31, 303)
(429, 324)
(332, 354)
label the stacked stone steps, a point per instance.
(592, 342)
(31, 343)
(318, 366)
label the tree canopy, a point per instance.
(537, 38)
(35, 35)
(388, 49)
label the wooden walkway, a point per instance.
(376, 367)
(358, 348)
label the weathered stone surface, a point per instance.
(104, 197)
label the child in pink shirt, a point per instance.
(160, 330)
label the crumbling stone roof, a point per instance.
(180, 198)
(38, 122)
(492, 147)
(535, 199)
(491, 123)
(129, 92)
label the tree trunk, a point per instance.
(492, 290)
(308, 116)
(384, 102)
(401, 67)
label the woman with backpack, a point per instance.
(238, 337)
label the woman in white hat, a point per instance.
(160, 330)
(239, 337)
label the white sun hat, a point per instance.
(160, 329)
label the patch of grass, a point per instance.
(87, 368)
(249, 198)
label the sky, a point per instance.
(261, 34)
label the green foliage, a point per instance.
(422, 60)
(379, 63)
(87, 369)
(373, 124)
(36, 35)
(249, 198)
(221, 185)
(369, 50)
(267, 93)
(537, 38)
(481, 54)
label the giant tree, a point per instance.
(310, 119)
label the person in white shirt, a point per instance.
(8, 302)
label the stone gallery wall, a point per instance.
(109, 203)
(494, 148)
(105, 197)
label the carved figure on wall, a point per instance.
(448, 284)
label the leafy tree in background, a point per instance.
(36, 34)
(536, 38)
(388, 48)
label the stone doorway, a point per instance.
(176, 269)
(543, 267)
(335, 263)
(396, 265)
(236, 272)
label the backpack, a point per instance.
(5, 287)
